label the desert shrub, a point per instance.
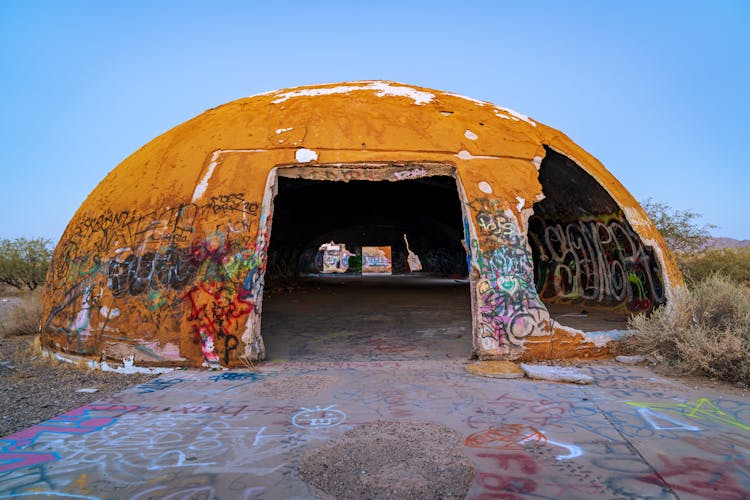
(706, 330)
(24, 262)
(734, 263)
(23, 318)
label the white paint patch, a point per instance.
(200, 189)
(465, 155)
(127, 368)
(485, 187)
(500, 115)
(489, 344)
(521, 203)
(556, 373)
(537, 161)
(282, 130)
(600, 339)
(470, 135)
(304, 155)
(475, 101)
(516, 115)
(109, 313)
(381, 89)
(203, 184)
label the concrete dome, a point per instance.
(165, 260)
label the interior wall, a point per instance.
(584, 249)
(310, 212)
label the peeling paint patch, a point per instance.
(470, 135)
(485, 187)
(128, 366)
(465, 155)
(600, 339)
(475, 101)
(304, 155)
(521, 203)
(109, 313)
(537, 161)
(282, 130)
(203, 184)
(514, 115)
(381, 89)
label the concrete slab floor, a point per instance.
(354, 318)
(199, 434)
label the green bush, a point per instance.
(734, 263)
(23, 262)
(705, 331)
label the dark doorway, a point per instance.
(422, 315)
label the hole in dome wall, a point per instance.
(591, 269)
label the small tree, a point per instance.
(24, 262)
(679, 227)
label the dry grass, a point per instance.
(707, 331)
(25, 317)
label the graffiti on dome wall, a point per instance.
(508, 307)
(191, 268)
(598, 259)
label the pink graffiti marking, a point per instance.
(79, 421)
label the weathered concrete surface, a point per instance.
(165, 259)
(234, 434)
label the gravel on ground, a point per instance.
(34, 389)
(390, 460)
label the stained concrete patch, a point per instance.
(631, 360)
(495, 369)
(556, 373)
(292, 387)
(390, 460)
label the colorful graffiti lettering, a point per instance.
(600, 259)
(84, 420)
(699, 409)
(509, 308)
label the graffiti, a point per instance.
(699, 409)
(158, 385)
(318, 417)
(509, 437)
(237, 376)
(509, 307)
(657, 421)
(513, 436)
(148, 259)
(600, 259)
(84, 420)
(134, 274)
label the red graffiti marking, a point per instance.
(508, 436)
(704, 478)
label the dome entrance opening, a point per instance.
(316, 311)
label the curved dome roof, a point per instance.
(231, 149)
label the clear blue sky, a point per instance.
(659, 91)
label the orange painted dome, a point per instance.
(165, 259)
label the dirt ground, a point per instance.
(33, 389)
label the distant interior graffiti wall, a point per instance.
(584, 248)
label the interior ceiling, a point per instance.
(570, 192)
